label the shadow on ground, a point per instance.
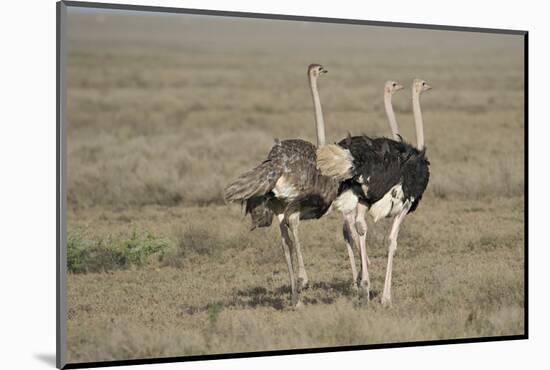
(322, 292)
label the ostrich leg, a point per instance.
(361, 227)
(350, 236)
(386, 296)
(287, 249)
(294, 223)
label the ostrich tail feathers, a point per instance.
(256, 182)
(335, 161)
(260, 213)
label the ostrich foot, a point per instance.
(303, 282)
(364, 290)
(295, 299)
(386, 301)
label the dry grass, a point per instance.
(160, 121)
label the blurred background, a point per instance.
(167, 108)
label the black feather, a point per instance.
(384, 163)
(367, 140)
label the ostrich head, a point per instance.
(392, 87)
(419, 86)
(315, 70)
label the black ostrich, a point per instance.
(289, 185)
(355, 224)
(385, 177)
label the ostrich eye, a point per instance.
(423, 83)
(394, 84)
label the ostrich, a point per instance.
(355, 224)
(289, 185)
(385, 177)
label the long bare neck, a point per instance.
(391, 115)
(419, 124)
(319, 122)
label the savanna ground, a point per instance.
(163, 111)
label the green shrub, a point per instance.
(86, 254)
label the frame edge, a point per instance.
(61, 238)
(287, 17)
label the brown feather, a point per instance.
(288, 182)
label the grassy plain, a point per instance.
(164, 110)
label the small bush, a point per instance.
(85, 254)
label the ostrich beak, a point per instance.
(398, 87)
(427, 87)
(324, 70)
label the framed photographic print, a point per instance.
(236, 184)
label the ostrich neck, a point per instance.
(319, 122)
(391, 115)
(418, 121)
